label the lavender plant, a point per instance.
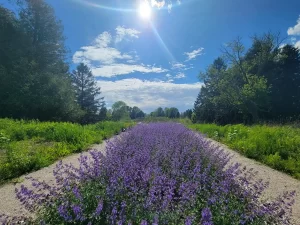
(161, 173)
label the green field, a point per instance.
(275, 146)
(30, 145)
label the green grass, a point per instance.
(26, 146)
(275, 146)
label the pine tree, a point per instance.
(87, 93)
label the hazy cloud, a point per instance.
(122, 69)
(158, 4)
(194, 54)
(178, 66)
(180, 76)
(122, 32)
(170, 7)
(148, 95)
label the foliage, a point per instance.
(121, 111)
(167, 112)
(155, 174)
(87, 94)
(276, 146)
(187, 114)
(30, 145)
(247, 86)
(136, 113)
(34, 79)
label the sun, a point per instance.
(145, 10)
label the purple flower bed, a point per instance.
(161, 173)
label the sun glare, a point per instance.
(145, 10)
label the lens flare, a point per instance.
(145, 10)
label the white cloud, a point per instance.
(179, 76)
(100, 50)
(103, 40)
(178, 66)
(194, 54)
(170, 7)
(296, 29)
(105, 55)
(158, 4)
(297, 44)
(122, 32)
(122, 69)
(178, 2)
(148, 95)
(112, 61)
(168, 75)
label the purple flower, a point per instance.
(206, 217)
(155, 169)
(99, 208)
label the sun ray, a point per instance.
(162, 43)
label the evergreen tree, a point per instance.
(87, 93)
(34, 79)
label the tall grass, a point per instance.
(30, 145)
(276, 146)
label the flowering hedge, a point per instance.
(161, 173)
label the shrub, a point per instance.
(26, 146)
(276, 146)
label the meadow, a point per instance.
(275, 146)
(26, 146)
(157, 173)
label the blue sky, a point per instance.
(151, 62)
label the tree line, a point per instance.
(35, 82)
(261, 83)
(171, 113)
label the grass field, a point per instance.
(30, 145)
(275, 146)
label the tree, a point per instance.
(103, 114)
(45, 32)
(87, 93)
(136, 112)
(120, 111)
(173, 113)
(159, 112)
(187, 114)
(285, 87)
(235, 93)
(33, 87)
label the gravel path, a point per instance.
(11, 206)
(279, 182)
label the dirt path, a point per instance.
(279, 182)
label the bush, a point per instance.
(26, 146)
(155, 174)
(276, 146)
